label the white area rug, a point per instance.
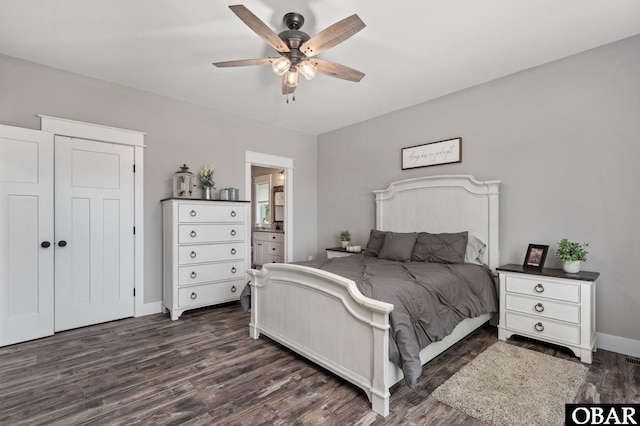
(509, 385)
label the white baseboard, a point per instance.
(621, 345)
(150, 309)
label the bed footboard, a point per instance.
(326, 319)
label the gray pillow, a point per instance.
(398, 246)
(440, 248)
(376, 239)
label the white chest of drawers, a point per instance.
(206, 253)
(550, 305)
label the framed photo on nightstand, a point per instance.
(535, 257)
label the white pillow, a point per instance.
(474, 251)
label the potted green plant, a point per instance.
(571, 254)
(345, 238)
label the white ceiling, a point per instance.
(411, 50)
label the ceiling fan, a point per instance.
(298, 50)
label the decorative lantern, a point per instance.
(184, 183)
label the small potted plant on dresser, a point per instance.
(571, 254)
(345, 238)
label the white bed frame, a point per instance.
(326, 319)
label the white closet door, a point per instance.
(94, 265)
(26, 226)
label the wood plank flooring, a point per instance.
(204, 369)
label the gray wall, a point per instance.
(564, 140)
(177, 132)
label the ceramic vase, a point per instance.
(571, 267)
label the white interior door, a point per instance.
(26, 234)
(94, 219)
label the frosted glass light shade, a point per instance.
(307, 69)
(281, 65)
(291, 79)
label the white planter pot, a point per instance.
(344, 244)
(571, 267)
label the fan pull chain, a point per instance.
(293, 98)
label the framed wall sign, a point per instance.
(535, 257)
(432, 154)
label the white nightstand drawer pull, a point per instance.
(539, 307)
(193, 234)
(539, 288)
(233, 289)
(193, 213)
(233, 213)
(193, 254)
(193, 274)
(539, 327)
(194, 296)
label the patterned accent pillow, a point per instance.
(398, 246)
(376, 239)
(440, 248)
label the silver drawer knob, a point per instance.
(193, 254)
(233, 213)
(539, 288)
(193, 213)
(233, 270)
(539, 327)
(194, 296)
(233, 251)
(233, 289)
(193, 234)
(539, 307)
(193, 274)
(233, 232)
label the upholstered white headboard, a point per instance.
(453, 203)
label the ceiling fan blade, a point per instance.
(331, 36)
(336, 70)
(260, 28)
(243, 63)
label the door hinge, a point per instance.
(134, 292)
(134, 230)
(134, 168)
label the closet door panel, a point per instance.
(26, 226)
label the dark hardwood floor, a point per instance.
(205, 369)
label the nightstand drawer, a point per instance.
(543, 287)
(209, 294)
(542, 328)
(543, 308)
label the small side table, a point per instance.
(338, 252)
(549, 305)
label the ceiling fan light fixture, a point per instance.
(291, 78)
(281, 65)
(308, 70)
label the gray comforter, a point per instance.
(429, 299)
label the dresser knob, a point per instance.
(193, 234)
(194, 296)
(233, 251)
(233, 270)
(273, 237)
(193, 254)
(193, 213)
(539, 288)
(233, 213)
(539, 327)
(233, 289)
(233, 232)
(539, 307)
(273, 248)
(193, 274)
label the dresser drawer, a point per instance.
(543, 308)
(210, 272)
(542, 287)
(210, 252)
(543, 329)
(208, 233)
(210, 213)
(209, 293)
(275, 249)
(274, 237)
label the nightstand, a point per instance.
(338, 252)
(549, 305)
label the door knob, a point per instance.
(62, 243)
(45, 244)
